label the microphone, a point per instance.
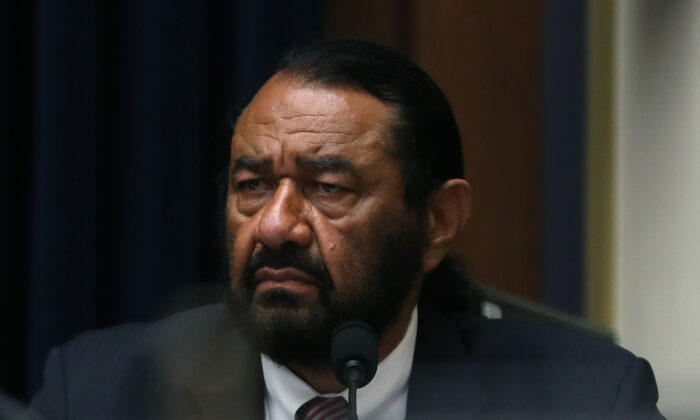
(354, 358)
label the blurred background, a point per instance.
(581, 139)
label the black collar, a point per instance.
(443, 382)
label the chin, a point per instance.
(282, 299)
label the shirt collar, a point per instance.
(384, 397)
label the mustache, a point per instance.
(286, 256)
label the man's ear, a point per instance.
(448, 211)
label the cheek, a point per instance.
(239, 243)
(348, 256)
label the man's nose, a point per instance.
(284, 218)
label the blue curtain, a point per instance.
(114, 126)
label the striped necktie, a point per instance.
(322, 408)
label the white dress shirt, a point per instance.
(384, 397)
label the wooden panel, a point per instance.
(486, 56)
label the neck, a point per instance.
(323, 380)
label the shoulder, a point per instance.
(556, 367)
(449, 295)
(548, 354)
(179, 329)
(116, 370)
(523, 339)
(526, 367)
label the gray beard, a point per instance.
(280, 326)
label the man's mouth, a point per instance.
(288, 278)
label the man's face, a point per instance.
(317, 229)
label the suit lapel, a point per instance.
(443, 381)
(228, 382)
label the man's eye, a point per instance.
(251, 185)
(329, 188)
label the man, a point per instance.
(345, 193)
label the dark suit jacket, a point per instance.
(196, 365)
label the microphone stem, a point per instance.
(352, 400)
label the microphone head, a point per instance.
(354, 353)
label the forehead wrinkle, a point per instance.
(289, 117)
(247, 134)
(249, 143)
(283, 150)
(292, 120)
(323, 125)
(335, 137)
(311, 131)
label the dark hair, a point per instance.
(424, 134)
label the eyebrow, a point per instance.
(246, 163)
(328, 164)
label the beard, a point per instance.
(282, 325)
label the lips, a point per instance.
(287, 278)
